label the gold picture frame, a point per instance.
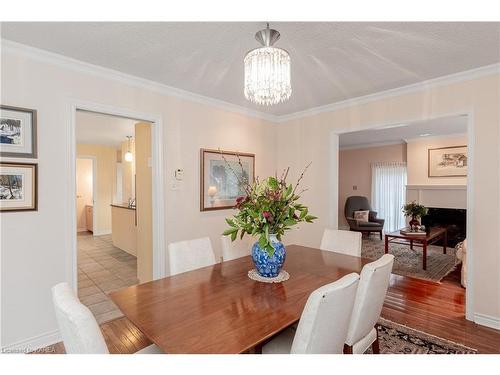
(219, 187)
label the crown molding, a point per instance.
(408, 89)
(435, 137)
(80, 66)
(99, 71)
(371, 145)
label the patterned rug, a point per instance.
(408, 262)
(398, 339)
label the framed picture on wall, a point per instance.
(18, 132)
(448, 162)
(18, 187)
(221, 180)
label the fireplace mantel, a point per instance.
(442, 196)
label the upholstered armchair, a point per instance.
(358, 203)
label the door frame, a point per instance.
(158, 182)
(334, 184)
(94, 186)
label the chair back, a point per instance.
(342, 241)
(373, 284)
(79, 329)
(236, 249)
(189, 255)
(356, 203)
(324, 322)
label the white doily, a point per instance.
(282, 276)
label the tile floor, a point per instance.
(103, 268)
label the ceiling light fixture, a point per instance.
(128, 155)
(424, 135)
(267, 71)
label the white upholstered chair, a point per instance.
(79, 329)
(372, 288)
(189, 255)
(236, 249)
(342, 241)
(323, 324)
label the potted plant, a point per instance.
(268, 209)
(415, 211)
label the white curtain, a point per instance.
(389, 192)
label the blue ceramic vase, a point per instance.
(269, 266)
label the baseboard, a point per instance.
(487, 321)
(82, 230)
(33, 343)
(102, 232)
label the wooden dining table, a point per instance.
(219, 309)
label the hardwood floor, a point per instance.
(437, 309)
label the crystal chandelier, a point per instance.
(267, 71)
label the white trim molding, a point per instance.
(436, 187)
(371, 145)
(487, 320)
(81, 66)
(107, 73)
(158, 204)
(408, 89)
(33, 343)
(435, 137)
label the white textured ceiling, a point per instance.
(398, 133)
(98, 129)
(331, 61)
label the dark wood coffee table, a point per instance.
(434, 235)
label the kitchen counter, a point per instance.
(124, 228)
(122, 205)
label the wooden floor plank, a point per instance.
(437, 309)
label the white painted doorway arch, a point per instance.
(334, 195)
(158, 190)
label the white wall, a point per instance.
(35, 245)
(306, 139)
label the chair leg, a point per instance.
(347, 349)
(375, 344)
(380, 235)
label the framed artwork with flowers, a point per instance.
(223, 177)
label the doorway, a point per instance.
(85, 178)
(113, 207)
(448, 198)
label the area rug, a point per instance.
(408, 262)
(395, 338)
